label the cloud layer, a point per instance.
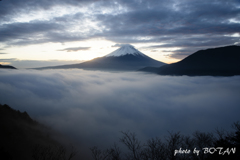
(91, 107)
(187, 24)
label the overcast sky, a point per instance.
(167, 30)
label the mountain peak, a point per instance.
(124, 50)
(124, 58)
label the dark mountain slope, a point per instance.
(126, 62)
(223, 61)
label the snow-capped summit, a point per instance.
(126, 58)
(125, 50)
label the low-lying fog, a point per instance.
(91, 107)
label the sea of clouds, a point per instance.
(92, 107)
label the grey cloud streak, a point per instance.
(75, 49)
(92, 107)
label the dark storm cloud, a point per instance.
(189, 18)
(75, 49)
(32, 32)
(91, 107)
(192, 44)
(14, 7)
(193, 26)
(172, 22)
(37, 31)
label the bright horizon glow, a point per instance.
(55, 51)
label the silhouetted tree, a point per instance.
(57, 152)
(109, 154)
(187, 143)
(173, 141)
(203, 140)
(133, 144)
(155, 149)
(115, 152)
(228, 141)
(98, 154)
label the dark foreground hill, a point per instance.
(22, 138)
(6, 67)
(223, 61)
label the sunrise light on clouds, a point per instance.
(167, 31)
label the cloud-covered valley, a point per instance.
(91, 107)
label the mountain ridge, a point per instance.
(6, 67)
(221, 61)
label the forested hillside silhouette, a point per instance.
(23, 138)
